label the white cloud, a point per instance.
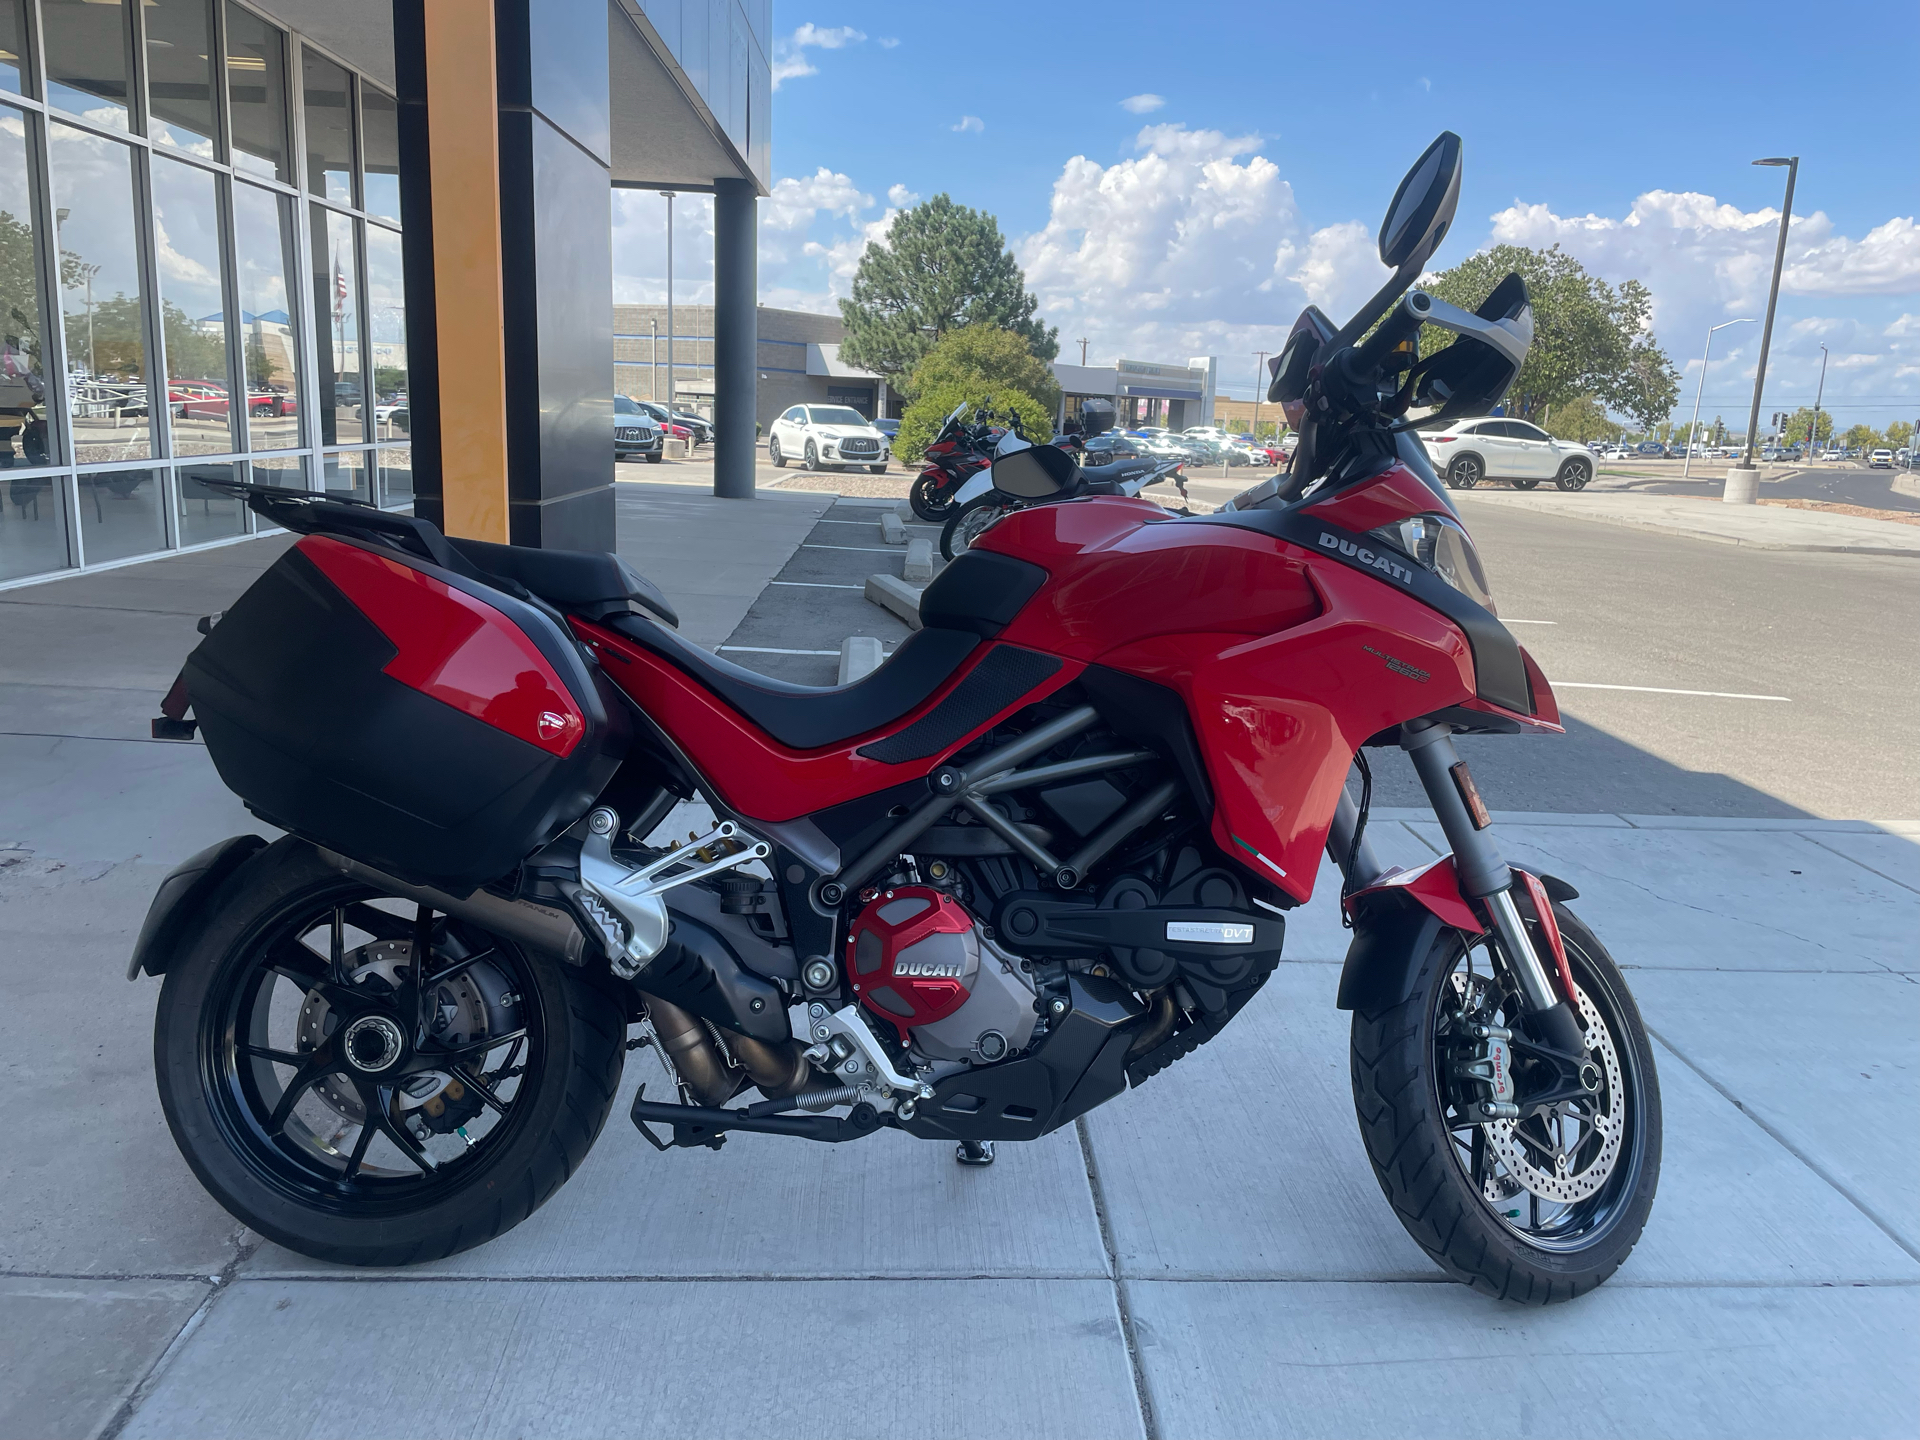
(794, 203)
(887, 42)
(900, 197)
(1195, 246)
(1142, 104)
(969, 124)
(789, 51)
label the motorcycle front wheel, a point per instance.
(1537, 1209)
(348, 1103)
(969, 523)
(929, 497)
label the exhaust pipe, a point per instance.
(539, 927)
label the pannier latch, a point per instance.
(624, 900)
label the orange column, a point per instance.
(463, 140)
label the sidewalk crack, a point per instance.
(1140, 1395)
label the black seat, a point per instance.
(581, 581)
(805, 717)
(1109, 475)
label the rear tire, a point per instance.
(1525, 484)
(968, 523)
(1464, 473)
(1412, 1130)
(1574, 475)
(296, 1185)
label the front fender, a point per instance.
(182, 897)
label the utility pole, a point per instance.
(653, 357)
(1813, 426)
(1745, 490)
(667, 195)
(1259, 369)
(1082, 343)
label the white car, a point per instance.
(1469, 451)
(1880, 460)
(817, 435)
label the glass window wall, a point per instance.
(87, 47)
(180, 74)
(193, 321)
(101, 297)
(224, 308)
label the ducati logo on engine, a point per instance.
(911, 968)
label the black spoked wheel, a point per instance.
(367, 1081)
(928, 497)
(1464, 473)
(1535, 1208)
(1574, 475)
(969, 523)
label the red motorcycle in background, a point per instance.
(960, 451)
(1047, 850)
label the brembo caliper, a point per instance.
(623, 901)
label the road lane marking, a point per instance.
(814, 585)
(858, 549)
(768, 650)
(1529, 622)
(1659, 690)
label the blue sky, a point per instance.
(1180, 180)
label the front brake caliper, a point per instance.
(1490, 1064)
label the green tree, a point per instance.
(19, 290)
(260, 366)
(1864, 437)
(923, 418)
(988, 358)
(1900, 434)
(1797, 423)
(1582, 418)
(941, 267)
(1589, 337)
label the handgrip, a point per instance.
(1404, 321)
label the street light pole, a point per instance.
(1259, 365)
(1687, 464)
(667, 195)
(1813, 429)
(1745, 489)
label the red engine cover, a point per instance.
(912, 956)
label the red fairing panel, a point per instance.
(751, 771)
(1436, 886)
(1288, 663)
(456, 648)
(1396, 493)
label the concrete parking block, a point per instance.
(637, 1358)
(893, 530)
(860, 656)
(887, 1205)
(94, 1183)
(1318, 1360)
(76, 1349)
(896, 597)
(919, 562)
(1723, 899)
(1829, 1063)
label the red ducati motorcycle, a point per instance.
(1046, 851)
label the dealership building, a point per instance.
(1143, 392)
(360, 247)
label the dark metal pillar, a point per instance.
(736, 333)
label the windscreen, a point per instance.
(835, 415)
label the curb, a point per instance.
(1629, 522)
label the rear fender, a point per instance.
(181, 902)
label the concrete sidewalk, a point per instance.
(1209, 1256)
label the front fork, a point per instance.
(1482, 873)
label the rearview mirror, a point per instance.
(1423, 206)
(1034, 474)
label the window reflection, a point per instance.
(396, 476)
(336, 309)
(205, 513)
(180, 73)
(193, 322)
(33, 525)
(263, 254)
(287, 471)
(346, 473)
(387, 329)
(121, 514)
(87, 58)
(23, 389)
(328, 98)
(257, 91)
(100, 296)
(13, 46)
(380, 144)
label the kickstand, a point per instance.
(640, 1125)
(974, 1152)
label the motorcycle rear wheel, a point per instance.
(1459, 1188)
(331, 1157)
(926, 500)
(969, 523)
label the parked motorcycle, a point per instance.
(1046, 851)
(962, 449)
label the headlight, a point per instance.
(1440, 544)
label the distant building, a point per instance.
(1143, 392)
(799, 361)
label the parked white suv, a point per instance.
(1495, 448)
(818, 435)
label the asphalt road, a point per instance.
(1840, 484)
(1831, 635)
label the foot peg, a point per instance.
(974, 1152)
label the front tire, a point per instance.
(1460, 1188)
(655, 458)
(1524, 484)
(1464, 473)
(336, 1143)
(773, 454)
(1574, 475)
(926, 500)
(876, 469)
(813, 457)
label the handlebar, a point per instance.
(1401, 325)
